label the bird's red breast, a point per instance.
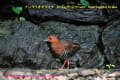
(62, 48)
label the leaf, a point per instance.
(113, 65)
(1, 22)
(17, 10)
(108, 66)
(84, 2)
(22, 19)
(58, 60)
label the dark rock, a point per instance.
(111, 41)
(5, 10)
(78, 16)
(87, 36)
(22, 45)
(67, 15)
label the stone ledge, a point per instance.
(59, 74)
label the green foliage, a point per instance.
(17, 10)
(58, 60)
(1, 22)
(110, 65)
(22, 19)
(2, 33)
(84, 2)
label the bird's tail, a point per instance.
(77, 46)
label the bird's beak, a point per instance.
(45, 40)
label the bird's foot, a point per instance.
(63, 64)
(68, 63)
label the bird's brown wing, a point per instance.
(71, 45)
(69, 48)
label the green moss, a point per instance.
(1, 25)
(1, 22)
(2, 33)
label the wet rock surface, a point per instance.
(21, 44)
(87, 36)
(59, 74)
(71, 15)
(68, 15)
(111, 41)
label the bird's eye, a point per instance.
(49, 38)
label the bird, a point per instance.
(64, 49)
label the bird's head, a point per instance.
(52, 39)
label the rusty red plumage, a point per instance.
(64, 49)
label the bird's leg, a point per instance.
(63, 64)
(68, 63)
